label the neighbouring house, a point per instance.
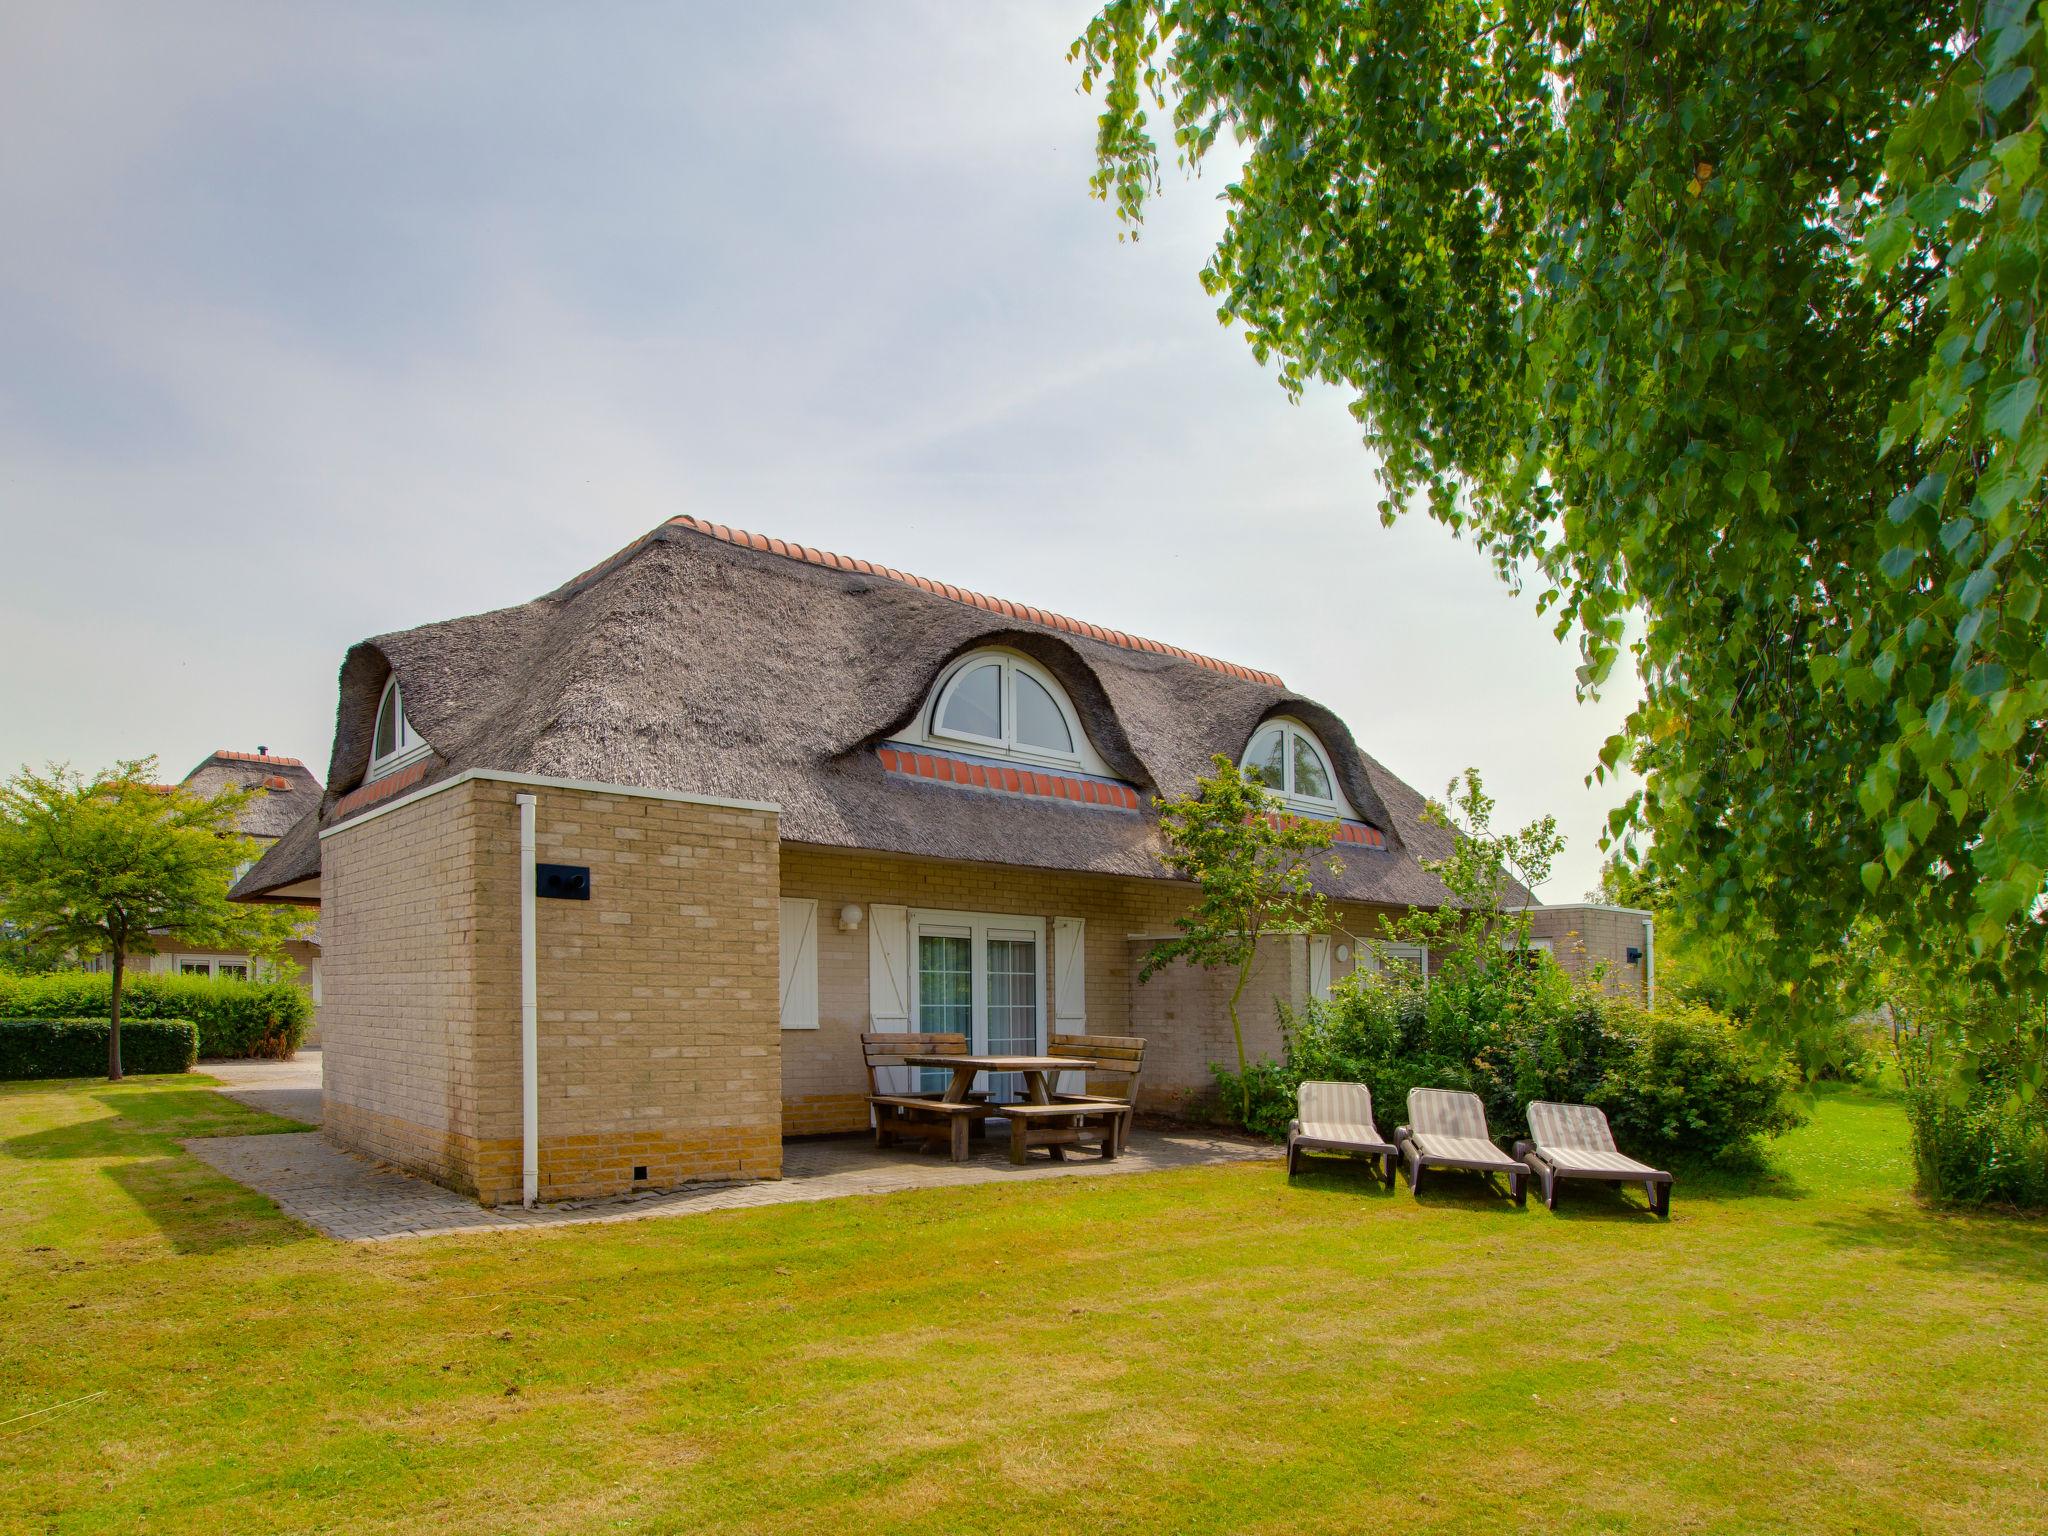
(777, 797)
(289, 794)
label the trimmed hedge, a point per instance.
(36, 1048)
(235, 1018)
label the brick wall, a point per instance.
(658, 1039)
(823, 1081)
(1583, 937)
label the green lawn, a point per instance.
(1208, 1351)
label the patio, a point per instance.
(345, 1195)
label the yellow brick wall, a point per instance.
(398, 903)
(823, 1080)
(658, 1038)
(1583, 937)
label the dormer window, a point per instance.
(998, 703)
(395, 744)
(1286, 758)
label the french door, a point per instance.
(981, 975)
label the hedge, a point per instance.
(235, 1018)
(31, 1048)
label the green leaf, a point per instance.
(1885, 241)
(1898, 560)
(2011, 406)
(2002, 90)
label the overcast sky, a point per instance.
(322, 321)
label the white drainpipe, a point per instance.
(529, 1011)
(1649, 962)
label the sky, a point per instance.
(327, 320)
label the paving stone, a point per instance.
(357, 1199)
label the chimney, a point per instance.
(262, 751)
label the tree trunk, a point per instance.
(1244, 1081)
(114, 1016)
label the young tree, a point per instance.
(1486, 917)
(1720, 320)
(107, 864)
(1254, 865)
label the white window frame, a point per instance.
(1369, 952)
(1310, 805)
(928, 733)
(410, 747)
(210, 965)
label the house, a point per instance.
(771, 798)
(289, 794)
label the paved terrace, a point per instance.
(351, 1197)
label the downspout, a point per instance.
(1649, 962)
(529, 1011)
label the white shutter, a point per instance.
(889, 983)
(1070, 988)
(1319, 967)
(799, 963)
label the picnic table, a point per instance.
(1038, 1121)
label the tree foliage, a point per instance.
(1254, 867)
(1719, 322)
(114, 862)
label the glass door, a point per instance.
(981, 975)
(945, 993)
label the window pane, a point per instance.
(1309, 778)
(1039, 721)
(239, 972)
(945, 997)
(387, 726)
(975, 706)
(945, 985)
(194, 968)
(1266, 763)
(1012, 1010)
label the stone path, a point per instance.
(352, 1197)
(287, 1088)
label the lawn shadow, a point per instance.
(1588, 1200)
(1346, 1175)
(1460, 1189)
(200, 1210)
(2008, 1246)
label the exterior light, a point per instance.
(849, 918)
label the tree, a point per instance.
(1254, 865)
(1719, 322)
(108, 864)
(1486, 916)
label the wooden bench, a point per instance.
(1112, 1075)
(1056, 1127)
(913, 1116)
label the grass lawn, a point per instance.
(1204, 1351)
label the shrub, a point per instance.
(1679, 1083)
(1985, 1150)
(36, 1048)
(235, 1018)
(1696, 1086)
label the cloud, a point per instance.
(327, 321)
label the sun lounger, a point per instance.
(1572, 1141)
(1337, 1117)
(1447, 1129)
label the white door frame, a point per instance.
(980, 928)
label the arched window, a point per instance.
(1286, 757)
(396, 743)
(998, 703)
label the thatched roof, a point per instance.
(289, 792)
(716, 663)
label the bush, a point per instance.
(1682, 1083)
(36, 1048)
(1696, 1086)
(235, 1018)
(1975, 1140)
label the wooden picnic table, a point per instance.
(964, 1069)
(1038, 1122)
